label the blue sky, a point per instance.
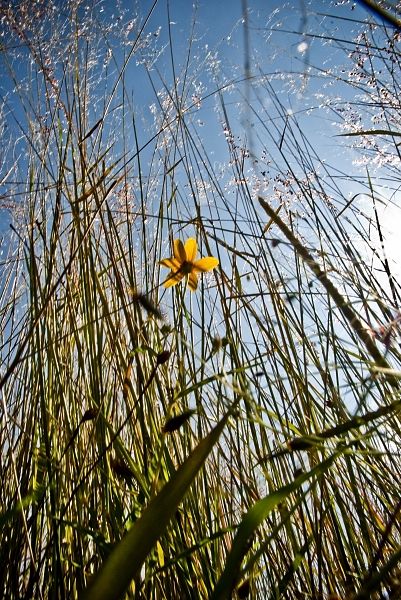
(288, 46)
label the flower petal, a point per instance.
(170, 263)
(191, 249)
(173, 278)
(205, 264)
(192, 281)
(179, 251)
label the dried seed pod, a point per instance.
(176, 422)
(163, 357)
(89, 415)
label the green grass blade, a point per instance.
(127, 557)
(249, 524)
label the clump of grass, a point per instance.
(159, 443)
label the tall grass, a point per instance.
(241, 440)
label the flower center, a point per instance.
(186, 267)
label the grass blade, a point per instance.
(127, 557)
(251, 521)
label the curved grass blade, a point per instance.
(249, 524)
(127, 557)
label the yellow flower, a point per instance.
(183, 264)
